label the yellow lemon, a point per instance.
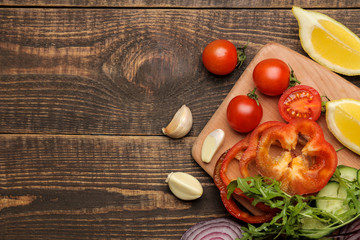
(343, 120)
(328, 42)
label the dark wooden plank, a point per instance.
(184, 3)
(88, 187)
(72, 73)
(122, 71)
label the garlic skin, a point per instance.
(181, 123)
(184, 186)
(211, 144)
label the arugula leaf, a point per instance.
(231, 188)
(298, 217)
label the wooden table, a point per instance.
(85, 88)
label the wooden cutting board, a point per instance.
(309, 73)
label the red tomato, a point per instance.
(220, 57)
(244, 113)
(271, 76)
(300, 102)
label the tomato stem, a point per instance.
(293, 80)
(241, 54)
(254, 96)
(323, 104)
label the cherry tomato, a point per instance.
(220, 57)
(300, 101)
(244, 113)
(271, 76)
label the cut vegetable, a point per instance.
(313, 228)
(226, 193)
(331, 199)
(349, 173)
(211, 144)
(297, 174)
(336, 205)
(301, 101)
(219, 228)
(350, 231)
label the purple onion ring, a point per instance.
(218, 228)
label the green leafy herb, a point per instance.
(298, 217)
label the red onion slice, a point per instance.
(349, 232)
(215, 229)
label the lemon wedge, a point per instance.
(343, 120)
(328, 42)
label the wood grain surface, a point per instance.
(81, 187)
(184, 3)
(85, 88)
(308, 73)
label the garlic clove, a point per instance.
(211, 144)
(181, 123)
(184, 186)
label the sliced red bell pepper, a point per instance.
(249, 154)
(230, 204)
(234, 152)
(302, 172)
